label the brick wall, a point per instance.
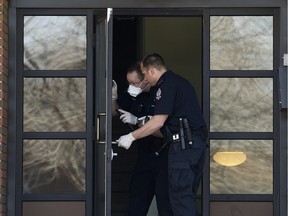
(3, 102)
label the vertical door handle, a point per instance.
(98, 137)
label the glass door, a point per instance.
(63, 102)
(103, 98)
(241, 80)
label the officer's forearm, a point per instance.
(152, 126)
(156, 134)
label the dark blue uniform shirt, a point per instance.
(176, 97)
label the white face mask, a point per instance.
(134, 91)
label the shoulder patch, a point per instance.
(158, 94)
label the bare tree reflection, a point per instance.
(54, 166)
(54, 42)
(241, 43)
(54, 104)
(241, 104)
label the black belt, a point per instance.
(202, 132)
(175, 137)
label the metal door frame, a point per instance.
(279, 121)
(16, 76)
(103, 65)
(275, 135)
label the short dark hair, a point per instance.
(136, 67)
(154, 60)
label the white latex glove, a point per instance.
(125, 141)
(127, 117)
(114, 90)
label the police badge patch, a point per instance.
(158, 94)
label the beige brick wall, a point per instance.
(3, 102)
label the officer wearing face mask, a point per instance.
(150, 176)
(135, 91)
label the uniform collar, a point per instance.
(161, 79)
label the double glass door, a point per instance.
(63, 152)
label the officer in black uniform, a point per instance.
(150, 176)
(179, 117)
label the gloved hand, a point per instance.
(127, 117)
(114, 90)
(125, 141)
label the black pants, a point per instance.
(185, 172)
(150, 178)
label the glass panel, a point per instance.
(241, 42)
(54, 208)
(54, 166)
(241, 104)
(252, 175)
(241, 208)
(54, 104)
(55, 42)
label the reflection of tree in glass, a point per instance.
(54, 166)
(54, 104)
(54, 42)
(241, 104)
(241, 43)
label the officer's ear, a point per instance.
(152, 71)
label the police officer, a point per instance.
(177, 109)
(150, 176)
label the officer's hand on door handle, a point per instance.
(125, 141)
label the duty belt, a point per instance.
(185, 135)
(202, 132)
